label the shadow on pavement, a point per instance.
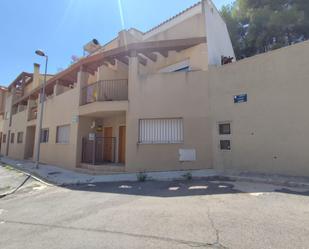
(180, 188)
(159, 188)
(289, 191)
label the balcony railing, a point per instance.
(105, 90)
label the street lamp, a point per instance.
(42, 99)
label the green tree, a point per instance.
(258, 26)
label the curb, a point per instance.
(283, 183)
(15, 189)
(31, 174)
(178, 175)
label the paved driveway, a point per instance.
(181, 214)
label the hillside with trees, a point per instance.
(258, 26)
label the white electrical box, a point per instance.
(187, 155)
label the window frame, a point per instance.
(20, 134)
(154, 142)
(181, 66)
(3, 138)
(57, 133)
(12, 137)
(42, 133)
(220, 124)
(221, 145)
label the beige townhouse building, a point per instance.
(162, 100)
(96, 115)
(3, 95)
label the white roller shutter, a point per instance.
(161, 131)
(63, 134)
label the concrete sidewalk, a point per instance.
(10, 179)
(59, 176)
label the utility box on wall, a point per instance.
(187, 155)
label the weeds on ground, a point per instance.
(8, 167)
(187, 176)
(141, 176)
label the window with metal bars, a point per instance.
(63, 134)
(45, 135)
(161, 131)
(20, 136)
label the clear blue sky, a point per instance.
(62, 27)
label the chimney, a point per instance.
(125, 38)
(36, 75)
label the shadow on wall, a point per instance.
(182, 188)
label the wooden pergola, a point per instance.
(144, 51)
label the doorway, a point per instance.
(122, 145)
(29, 145)
(8, 143)
(0, 140)
(108, 144)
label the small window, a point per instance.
(183, 69)
(20, 136)
(183, 66)
(12, 138)
(225, 129)
(161, 131)
(63, 134)
(44, 135)
(225, 144)
(4, 138)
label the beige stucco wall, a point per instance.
(270, 131)
(190, 24)
(17, 150)
(60, 110)
(1, 124)
(106, 73)
(197, 57)
(218, 38)
(169, 95)
(35, 83)
(7, 113)
(3, 95)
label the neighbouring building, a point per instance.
(3, 95)
(162, 100)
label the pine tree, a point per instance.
(257, 26)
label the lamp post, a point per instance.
(42, 99)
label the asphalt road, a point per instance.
(180, 214)
(11, 180)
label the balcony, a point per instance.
(105, 90)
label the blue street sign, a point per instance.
(240, 98)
